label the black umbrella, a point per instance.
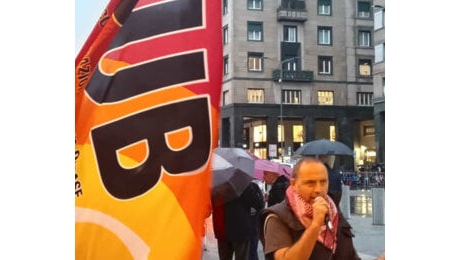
(238, 158)
(228, 182)
(324, 147)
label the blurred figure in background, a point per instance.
(335, 180)
(254, 232)
(279, 184)
(232, 223)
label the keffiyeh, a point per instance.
(300, 207)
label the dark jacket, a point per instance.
(277, 192)
(345, 249)
(335, 185)
(232, 220)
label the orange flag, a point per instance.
(147, 92)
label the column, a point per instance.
(236, 126)
(272, 131)
(345, 135)
(310, 127)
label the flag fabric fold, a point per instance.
(147, 94)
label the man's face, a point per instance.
(311, 181)
(270, 177)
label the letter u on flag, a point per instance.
(147, 92)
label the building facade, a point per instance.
(379, 79)
(297, 71)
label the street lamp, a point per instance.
(280, 80)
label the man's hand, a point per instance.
(320, 209)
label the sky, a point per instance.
(86, 14)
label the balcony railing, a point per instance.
(293, 75)
(292, 10)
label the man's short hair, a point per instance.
(307, 160)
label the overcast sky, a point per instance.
(86, 14)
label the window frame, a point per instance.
(224, 7)
(377, 53)
(225, 97)
(290, 31)
(364, 98)
(363, 14)
(323, 7)
(255, 25)
(325, 103)
(289, 96)
(379, 19)
(254, 57)
(321, 67)
(253, 6)
(226, 65)
(369, 38)
(361, 63)
(259, 95)
(321, 35)
(225, 34)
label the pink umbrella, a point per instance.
(261, 166)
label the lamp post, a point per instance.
(280, 80)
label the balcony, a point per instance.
(292, 10)
(293, 75)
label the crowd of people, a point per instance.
(363, 178)
(299, 217)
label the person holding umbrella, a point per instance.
(279, 184)
(335, 180)
(233, 196)
(232, 223)
(325, 150)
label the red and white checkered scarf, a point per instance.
(300, 207)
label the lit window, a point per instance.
(280, 133)
(260, 133)
(297, 132)
(332, 132)
(255, 95)
(325, 97)
(255, 61)
(365, 68)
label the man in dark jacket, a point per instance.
(232, 223)
(297, 228)
(335, 180)
(279, 184)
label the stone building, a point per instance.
(297, 71)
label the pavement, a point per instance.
(369, 239)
